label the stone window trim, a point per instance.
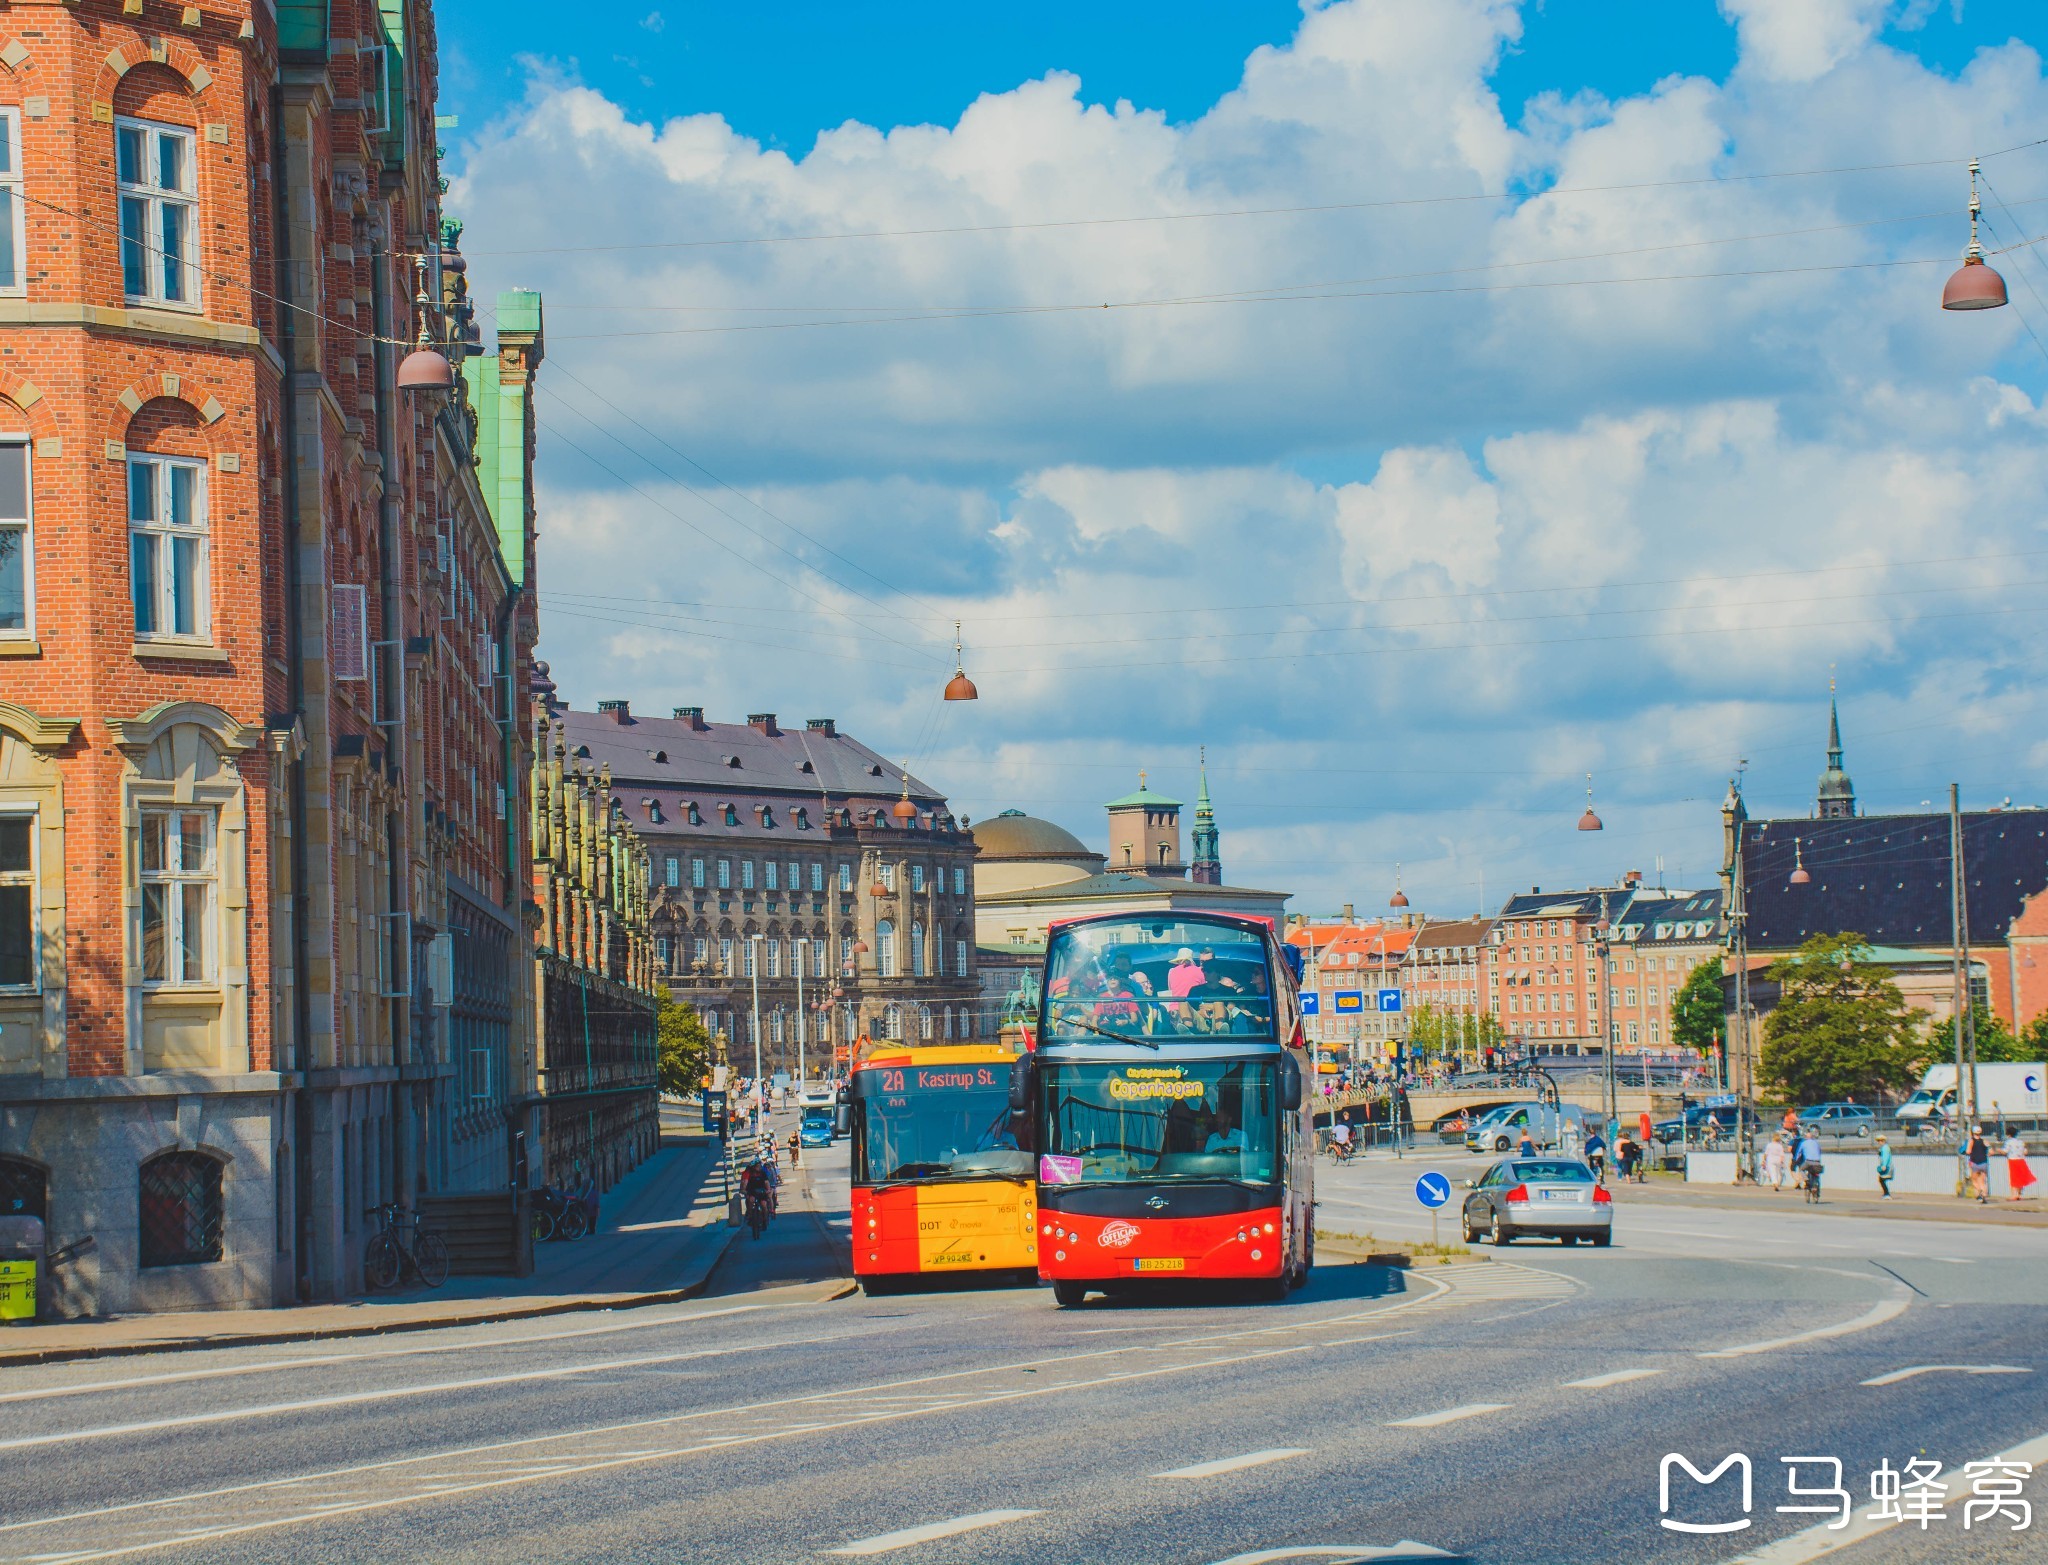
(159, 540)
(183, 754)
(181, 1208)
(21, 863)
(32, 779)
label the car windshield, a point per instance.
(935, 1122)
(1151, 980)
(1194, 1119)
(1554, 1171)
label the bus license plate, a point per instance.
(1156, 1264)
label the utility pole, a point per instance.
(1959, 930)
(754, 973)
(801, 946)
(1610, 1100)
(1745, 1072)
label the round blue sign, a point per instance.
(1432, 1190)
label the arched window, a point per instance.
(774, 953)
(892, 1021)
(885, 954)
(949, 1021)
(775, 1025)
(924, 1021)
(182, 1210)
(917, 950)
(24, 1189)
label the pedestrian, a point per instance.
(1525, 1147)
(1978, 1156)
(1625, 1156)
(2017, 1173)
(1884, 1169)
(1791, 1125)
(1775, 1159)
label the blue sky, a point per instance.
(1655, 439)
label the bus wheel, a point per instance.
(875, 1287)
(1068, 1295)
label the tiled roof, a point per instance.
(1455, 932)
(1596, 904)
(1886, 877)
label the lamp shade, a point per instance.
(903, 810)
(426, 369)
(961, 688)
(1973, 286)
(1589, 821)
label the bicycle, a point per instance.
(1810, 1182)
(389, 1257)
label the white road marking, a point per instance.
(1406, 1549)
(318, 1360)
(1898, 1375)
(1890, 1309)
(1613, 1377)
(1231, 1464)
(1449, 1415)
(1820, 1540)
(926, 1534)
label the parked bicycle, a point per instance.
(392, 1253)
(564, 1214)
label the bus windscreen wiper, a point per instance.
(1121, 1037)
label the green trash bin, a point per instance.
(21, 1267)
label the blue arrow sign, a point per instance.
(1432, 1190)
(1311, 1003)
(1390, 999)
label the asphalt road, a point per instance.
(1509, 1406)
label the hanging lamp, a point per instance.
(1589, 821)
(426, 368)
(903, 809)
(960, 687)
(1974, 285)
(1400, 897)
(1799, 877)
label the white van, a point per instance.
(2016, 1091)
(1501, 1129)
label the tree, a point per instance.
(1698, 1011)
(1450, 1034)
(1840, 1026)
(685, 1054)
(1995, 1040)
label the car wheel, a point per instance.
(1602, 1241)
(1500, 1235)
(1067, 1294)
(1500, 1143)
(1471, 1230)
(1567, 1238)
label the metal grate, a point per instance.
(181, 1209)
(24, 1190)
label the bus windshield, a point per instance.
(1147, 1120)
(1157, 980)
(935, 1122)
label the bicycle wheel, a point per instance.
(430, 1256)
(543, 1225)
(381, 1262)
(574, 1222)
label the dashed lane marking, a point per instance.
(1449, 1415)
(903, 1539)
(1898, 1375)
(1889, 1309)
(1232, 1464)
(1613, 1377)
(1343, 1554)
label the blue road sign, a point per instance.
(1311, 1003)
(1432, 1190)
(1350, 999)
(1390, 999)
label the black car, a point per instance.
(1694, 1126)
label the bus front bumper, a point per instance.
(1074, 1247)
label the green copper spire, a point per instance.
(1207, 870)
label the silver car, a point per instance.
(1556, 1197)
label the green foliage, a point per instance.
(685, 1046)
(1996, 1043)
(1840, 1027)
(1698, 1012)
(1448, 1034)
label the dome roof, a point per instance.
(1015, 835)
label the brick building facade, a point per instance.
(258, 741)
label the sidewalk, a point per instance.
(661, 1233)
(1670, 1190)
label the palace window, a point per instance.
(167, 568)
(892, 1021)
(725, 957)
(817, 876)
(774, 958)
(775, 1025)
(960, 957)
(746, 874)
(924, 1021)
(159, 212)
(888, 874)
(795, 882)
(917, 950)
(725, 874)
(846, 877)
(701, 950)
(885, 953)
(19, 968)
(17, 544)
(697, 874)
(662, 951)
(917, 877)
(959, 880)
(672, 872)
(177, 897)
(774, 876)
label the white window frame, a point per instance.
(960, 958)
(772, 880)
(11, 195)
(746, 874)
(672, 871)
(817, 876)
(916, 879)
(153, 200)
(959, 880)
(29, 878)
(696, 874)
(164, 534)
(25, 524)
(207, 877)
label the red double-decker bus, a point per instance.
(1167, 1109)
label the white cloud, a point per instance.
(1387, 556)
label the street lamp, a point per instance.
(800, 947)
(1610, 1089)
(754, 974)
(1974, 285)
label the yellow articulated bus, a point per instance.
(939, 1183)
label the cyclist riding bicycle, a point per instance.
(1806, 1164)
(756, 1185)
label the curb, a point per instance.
(484, 1315)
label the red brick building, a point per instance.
(259, 742)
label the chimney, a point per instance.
(1632, 879)
(764, 723)
(827, 726)
(692, 717)
(1349, 917)
(621, 712)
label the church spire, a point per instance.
(1208, 868)
(1837, 799)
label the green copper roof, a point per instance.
(501, 431)
(302, 25)
(1144, 798)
